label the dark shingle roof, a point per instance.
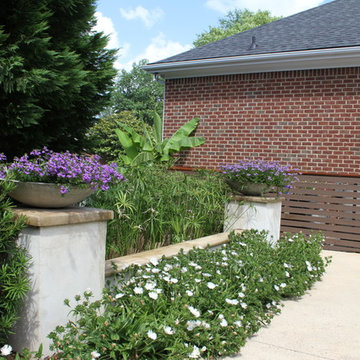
(332, 25)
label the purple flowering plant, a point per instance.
(277, 177)
(64, 168)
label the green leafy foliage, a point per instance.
(55, 74)
(145, 148)
(137, 91)
(156, 207)
(203, 304)
(233, 23)
(102, 139)
(14, 262)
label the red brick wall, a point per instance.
(309, 118)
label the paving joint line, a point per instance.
(296, 351)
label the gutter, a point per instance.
(282, 61)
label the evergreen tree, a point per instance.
(55, 74)
(234, 22)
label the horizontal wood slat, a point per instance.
(330, 204)
(334, 214)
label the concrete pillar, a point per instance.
(254, 212)
(67, 249)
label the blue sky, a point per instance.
(156, 29)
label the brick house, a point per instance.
(286, 91)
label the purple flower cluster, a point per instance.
(261, 172)
(65, 169)
(2, 167)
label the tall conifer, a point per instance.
(55, 73)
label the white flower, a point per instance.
(204, 348)
(138, 290)
(154, 261)
(192, 324)
(6, 350)
(194, 311)
(286, 265)
(282, 285)
(88, 291)
(95, 355)
(184, 270)
(241, 294)
(168, 267)
(155, 270)
(152, 335)
(243, 305)
(119, 296)
(223, 323)
(195, 353)
(150, 286)
(261, 280)
(189, 293)
(276, 288)
(287, 274)
(193, 264)
(168, 330)
(207, 275)
(211, 285)
(173, 280)
(198, 280)
(218, 272)
(205, 325)
(238, 323)
(154, 295)
(232, 302)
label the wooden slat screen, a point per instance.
(330, 204)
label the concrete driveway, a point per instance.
(323, 324)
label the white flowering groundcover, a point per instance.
(201, 305)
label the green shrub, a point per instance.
(103, 140)
(157, 207)
(14, 262)
(200, 305)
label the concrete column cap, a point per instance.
(66, 216)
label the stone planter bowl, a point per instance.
(249, 189)
(45, 195)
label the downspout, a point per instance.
(161, 80)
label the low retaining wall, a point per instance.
(113, 266)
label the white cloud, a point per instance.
(159, 48)
(148, 17)
(106, 25)
(276, 7)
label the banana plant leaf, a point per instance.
(131, 148)
(181, 136)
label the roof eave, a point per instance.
(283, 61)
